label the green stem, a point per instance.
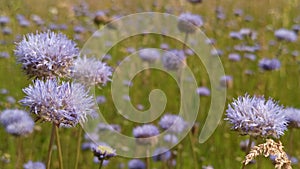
(101, 164)
(60, 160)
(193, 150)
(19, 152)
(148, 159)
(185, 41)
(78, 147)
(248, 150)
(50, 147)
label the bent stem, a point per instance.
(61, 166)
(78, 147)
(50, 146)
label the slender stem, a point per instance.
(61, 165)
(248, 150)
(101, 164)
(19, 152)
(193, 150)
(50, 146)
(148, 159)
(185, 41)
(178, 158)
(78, 147)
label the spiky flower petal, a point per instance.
(90, 71)
(46, 54)
(256, 116)
(64, 105)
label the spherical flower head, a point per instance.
(286, 35)
(34, 165)
(46, 54)
(234, 57)
(226, 81)
(145, 134)
(188, 22)
(149, 55)
(293, 117)
(269, 64)
(161, 154)
(256, 117)
(203, 91)
(103, 152)
(172, 123)
(136, 164)
(64, 105)
(17, 122)
(173, 60)
(4, 20)
(90, 71)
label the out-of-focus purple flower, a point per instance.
(164, 46)
(238, 12)
(208, 167)
(203, 91)
(17, 122)
(79, 29)
(248, 18)
(24, 23)
(244, 145)
(46, 54)
(140, 107)
(293, 117)
(296, 28)
(171, 138)
(34, 165)
(256, 116)
(145, 134)
(295, 53)
(136, 164)
(10, 99)
(161, 154)
(37, 20)
(269, 64)
(4, 55)
(149, 55)
(172, 123)
(173, 59)
(216, 52)
(130, 49)
(6, 31)
(100, 99)
(226, 81)
(64, 105)
(188, 22)
(4, 91)
(101, 18)
(210, 41)
(4, 20)
(285, 34)
(90, 71)
(235, 35)
(195, 1)
(250, 56)
(234, 57)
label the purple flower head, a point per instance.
(149, 55)
(161, 154)
(103, 152)
(46, 54)
(236, 35)
(256, 116)
(37, 20)
(17, 122)
(226, 81)
(269, 64)
(195, 1)
(4, 20)
(6, 31)
(293, 117)
(296, 28)
(90, 71)
(145, 134)
(100, 99)
(34, 165)
(234, 57)
(64, 105)
(238, 12)
(173, 59)
(203, 91)
(188, 22)
(171, 138)
(136, 164)
(172, 123)
(285, 34)
(250, 56)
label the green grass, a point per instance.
(222, 148)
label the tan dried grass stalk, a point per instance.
(270, 147)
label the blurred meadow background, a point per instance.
(242, 33)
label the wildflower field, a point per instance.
(75, 95)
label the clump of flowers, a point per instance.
(90, 71)
(256, 116)
(17, 122)
(63, 105)
(46, 54)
